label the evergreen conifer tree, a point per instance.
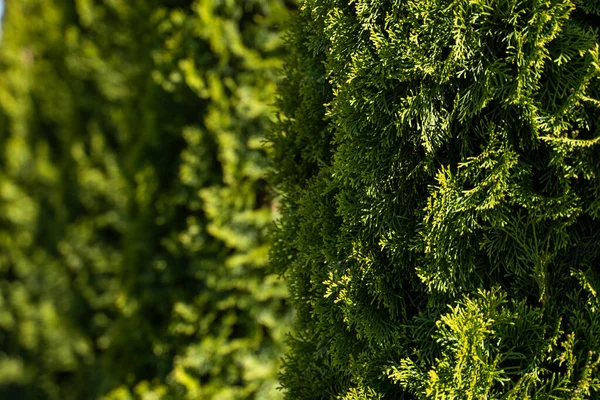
(133, 205)
(440, 227)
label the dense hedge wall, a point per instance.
(133, 205)
(440, 223)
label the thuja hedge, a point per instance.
(133, 204)
(440, 227)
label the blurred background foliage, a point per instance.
(133, 206)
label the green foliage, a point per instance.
(440, 228)
(133, 205)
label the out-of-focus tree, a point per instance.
(133, 206)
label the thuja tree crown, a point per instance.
(440, 229)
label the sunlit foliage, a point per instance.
(133, 205)
(440, 167)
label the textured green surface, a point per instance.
(439, 163)
(133, 205)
